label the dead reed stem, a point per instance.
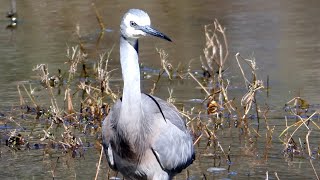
(99, 17)
(308, 145)
(299, 123)
(197, 140)
(98, 166)
(29, 95)
(276, 174)
(250, 97)
(205, 90)
(22, 101)
(314, 170)
(155, 83)
(166, 66)
(267, 175)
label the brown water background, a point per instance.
(283, 36)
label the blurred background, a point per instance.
(282, 36)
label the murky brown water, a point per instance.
(283, 37)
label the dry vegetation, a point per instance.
(87, 96)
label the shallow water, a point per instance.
(283, 37)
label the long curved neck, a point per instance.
(131, 110)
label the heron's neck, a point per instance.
(131, 99)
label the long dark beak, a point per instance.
(153, 32)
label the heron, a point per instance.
(144, 137)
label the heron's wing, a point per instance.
(171, 143)
(168, 111)
(108, 132)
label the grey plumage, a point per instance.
(144, 137)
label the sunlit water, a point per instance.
(283, 37)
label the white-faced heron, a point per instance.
(144, 137)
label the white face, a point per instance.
(131, 22)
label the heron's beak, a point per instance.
(153, 32)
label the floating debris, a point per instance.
(15, 141)
(216, 169)
(12, 15)
(115, 178)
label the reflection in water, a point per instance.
(283, 37)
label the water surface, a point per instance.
(283, 37)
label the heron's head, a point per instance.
(136, 23)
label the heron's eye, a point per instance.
(133, 24)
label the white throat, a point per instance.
(131, 100)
